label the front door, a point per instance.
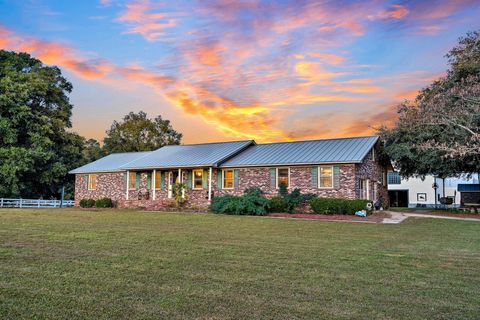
(172, 179)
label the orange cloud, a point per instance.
(56, 53)
(328, 57)
(396, 12)
(141, 20)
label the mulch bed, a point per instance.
(376, 217)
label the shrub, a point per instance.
(337, 205)
(278, 204)
(251, 203)
(296, 198)
(104, 203)
(253, 191)
(87, 203)
(282, 190)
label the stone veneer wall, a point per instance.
(372, 170)
(112, 185)
(109, 185)
(300, 177)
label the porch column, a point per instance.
(128, 184)
(154, 183)
(180, 180)
(210, 184)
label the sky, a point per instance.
(233, 70)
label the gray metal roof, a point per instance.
(110, 163)
(192, 155)
(344, 150)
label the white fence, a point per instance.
(34, 203)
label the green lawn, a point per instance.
(73, 264)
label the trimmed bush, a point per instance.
(278, 204)
(251, 203)
(87, 203)
(104, 203)
(253, 192)
(337, 205)
(296, 198)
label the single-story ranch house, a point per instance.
(344, 168)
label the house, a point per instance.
(346, 167)
(420, 193)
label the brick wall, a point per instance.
(112, 185)
(300, 177)
(373, 171)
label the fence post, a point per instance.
(1, 202)
(20, 202)
(38, 203)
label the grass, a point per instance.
(75, 264)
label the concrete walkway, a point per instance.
(398, 217)
(395, 217)
(418, 215)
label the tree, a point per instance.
(36, 150)
(439, 132)
(92, 151)
(138, 133)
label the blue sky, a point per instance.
(228, 70)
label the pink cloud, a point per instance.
(395, 12)
(141, 17)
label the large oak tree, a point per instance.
(36, 149)
(139, 133)
(439, 132)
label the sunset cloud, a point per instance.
(144, 18)
(266, 70)
(395, 12)
(57, 54)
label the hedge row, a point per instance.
(254, 203)
(100, 203)
(337, 205)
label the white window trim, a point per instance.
(276, 177)
(319, 177)
(223, 179)
(373, 154)
(90, 179)
(193, 179)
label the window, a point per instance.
(325, 177)
(198, 179)
(227, 179)
(158, 179)
(394, 178)
(384, 177)
(362, 189)
(132, 180)
(92, 181)
(283, 177)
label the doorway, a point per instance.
(398, 198)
